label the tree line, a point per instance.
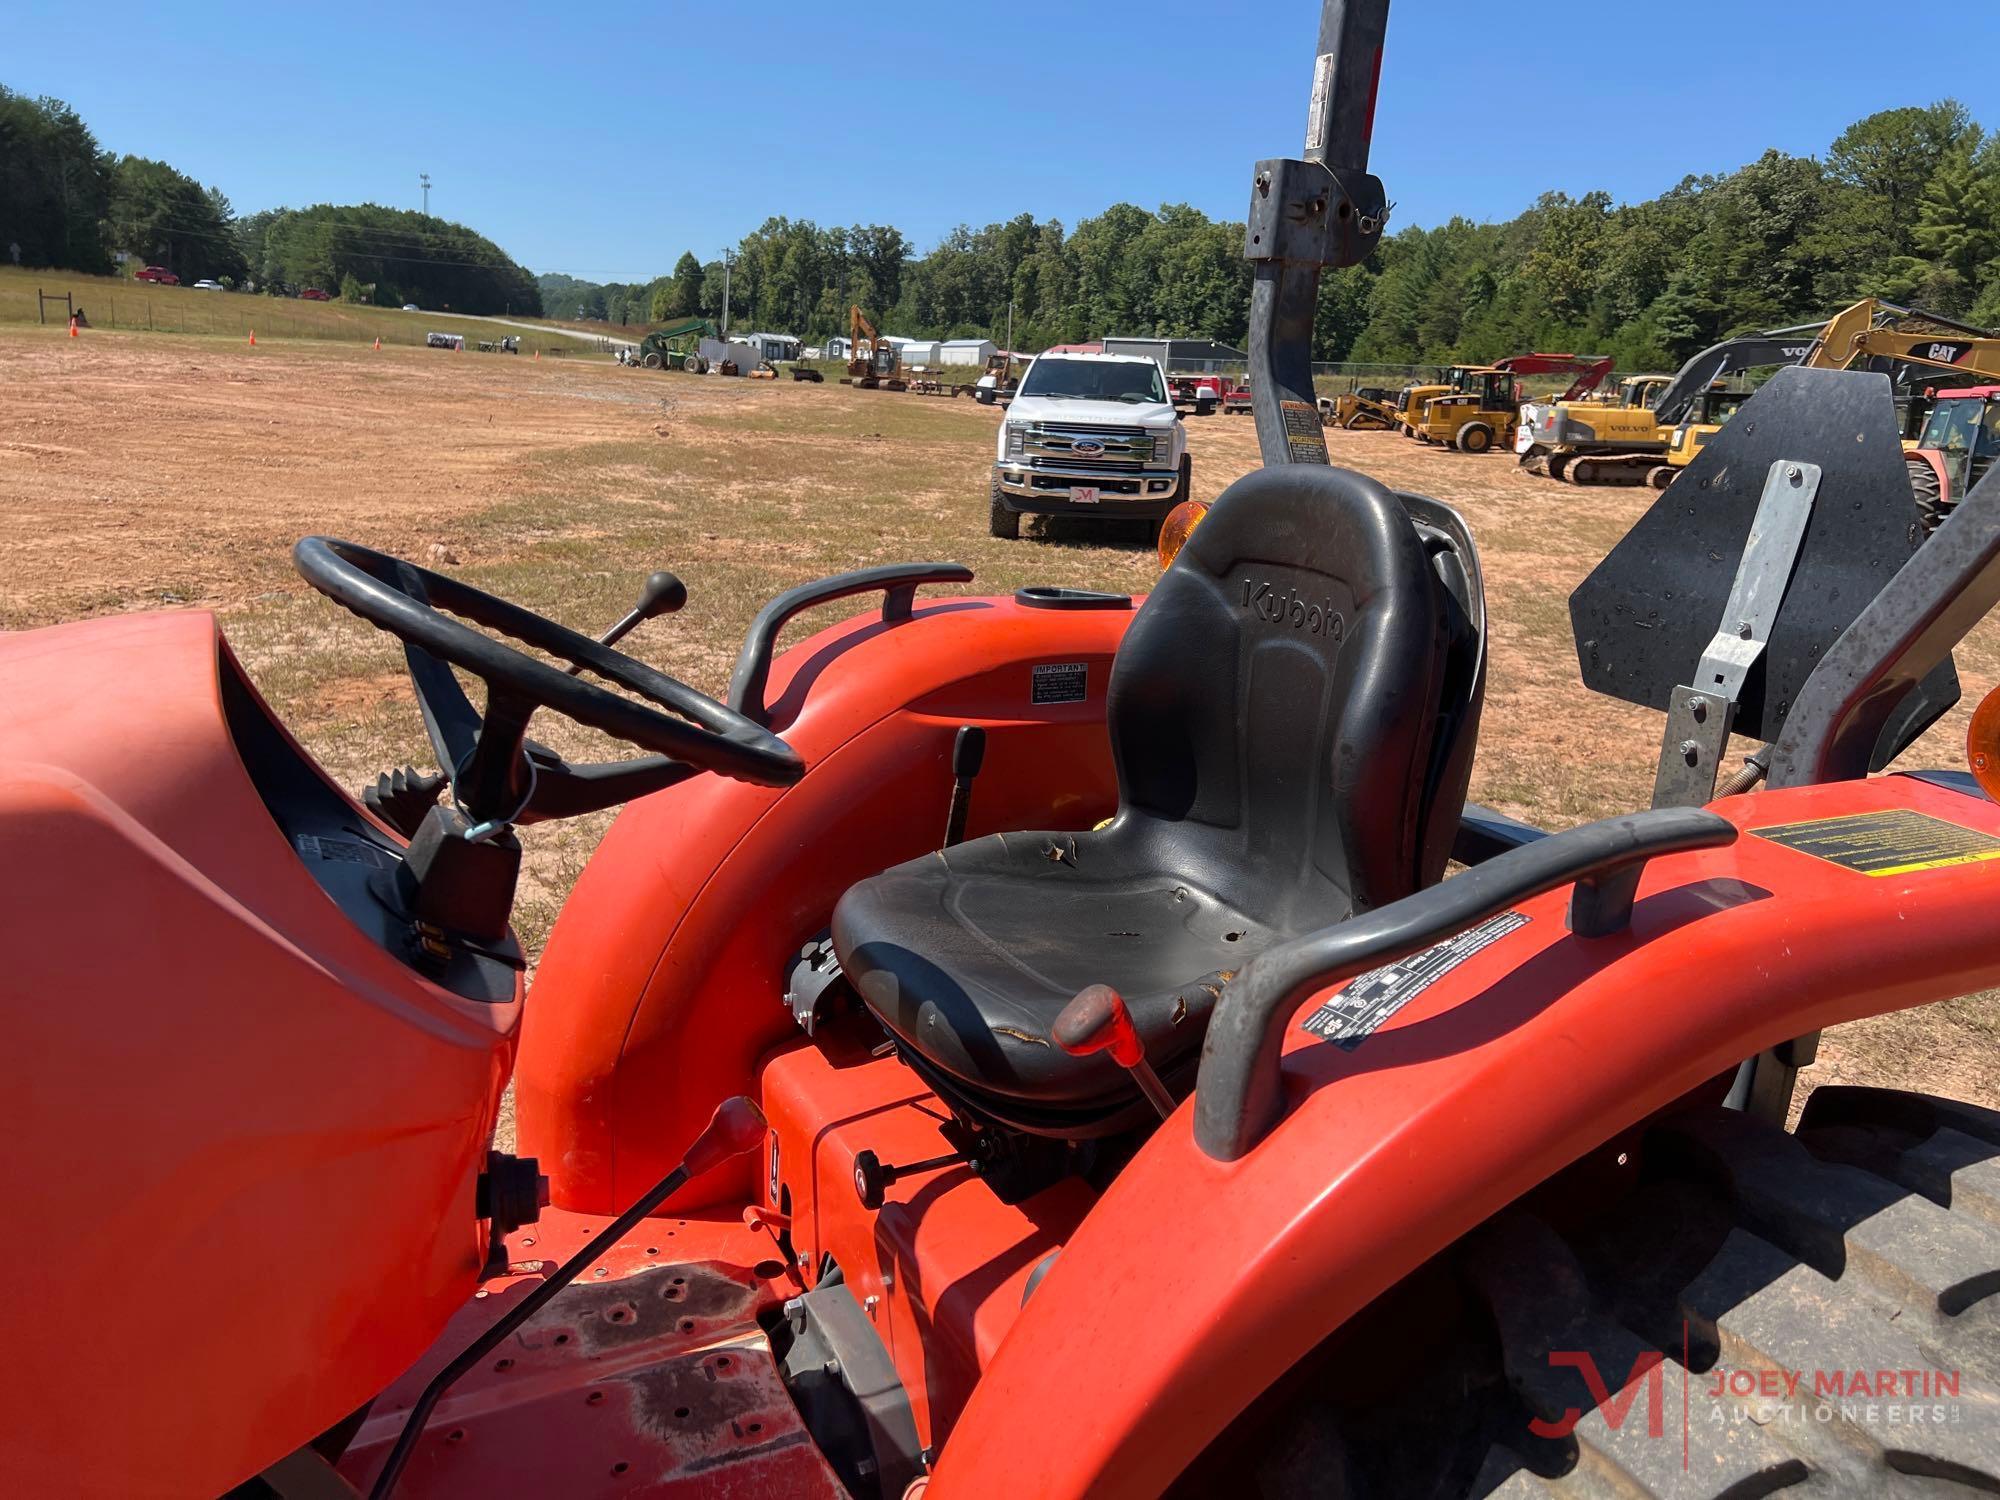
(67, 203)
(1904, 204)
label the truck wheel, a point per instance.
(1000, 521)
(1473, 437)
(652, 361)
(1865, 1246)
(1928, 492)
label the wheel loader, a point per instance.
(1483, 404)
(1032, 1044)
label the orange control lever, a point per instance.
(1097, 1021)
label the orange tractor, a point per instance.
(1029, 1044)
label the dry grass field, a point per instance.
(140, 472)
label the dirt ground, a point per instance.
(140, 471)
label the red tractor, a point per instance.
(1960, 440)
(1030, 1045)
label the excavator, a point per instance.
(1483, 404)
(881, 366)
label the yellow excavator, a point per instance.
(1872, 334)
(880, 367)
(1595, 442)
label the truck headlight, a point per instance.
(1163, 446)
(1017, 439)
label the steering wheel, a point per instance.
(496, 774)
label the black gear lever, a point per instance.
(401, 797)
(662, 595)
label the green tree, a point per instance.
(55, 185)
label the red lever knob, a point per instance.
(1097, 1021)
(738, 1126)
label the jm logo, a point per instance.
(1292, 608)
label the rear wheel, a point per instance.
(1473, 437)
(652, 361)
(1864, 1248)
(1000, 521)
(692, 364)
(1929, 493)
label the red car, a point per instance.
(314, 294)
(160, 274)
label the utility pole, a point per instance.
(1010, 330)
(725, 294)
(425, 179)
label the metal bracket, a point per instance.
(1700, 715)
(1308, 213)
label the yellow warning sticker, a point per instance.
(1305, 439)
(1893, 842)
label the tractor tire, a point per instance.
(692, 364)
(1931, 502)
(1473, 437)
(652, 361)
(1000, 521)
(1866, 1246)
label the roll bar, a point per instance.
(1323, 209)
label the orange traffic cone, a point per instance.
(253, 338)
(538, 354)
(378, 341)
(72, 325)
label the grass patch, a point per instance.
(116, 302)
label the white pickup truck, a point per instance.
(1089, 434)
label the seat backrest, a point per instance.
(1293, 709)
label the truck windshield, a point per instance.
(1095, 380)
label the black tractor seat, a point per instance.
(1292, 717)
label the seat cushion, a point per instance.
(969, 954)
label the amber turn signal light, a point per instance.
(1982, 740)
(1177, 528)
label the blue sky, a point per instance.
(606, 142)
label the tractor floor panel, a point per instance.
(649, 1375)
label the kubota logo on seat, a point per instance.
(1292, 608)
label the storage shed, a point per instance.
(966, 352)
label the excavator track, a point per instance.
(1610, 468)
(1763, 1314)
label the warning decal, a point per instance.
(1358, 1011)
(1885, 843)
(1305, 439)
(1061, 682)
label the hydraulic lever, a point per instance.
(1098, 1021)
(968, 753)
(737, 1126)
(662, 595)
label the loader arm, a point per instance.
(1590, 370)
